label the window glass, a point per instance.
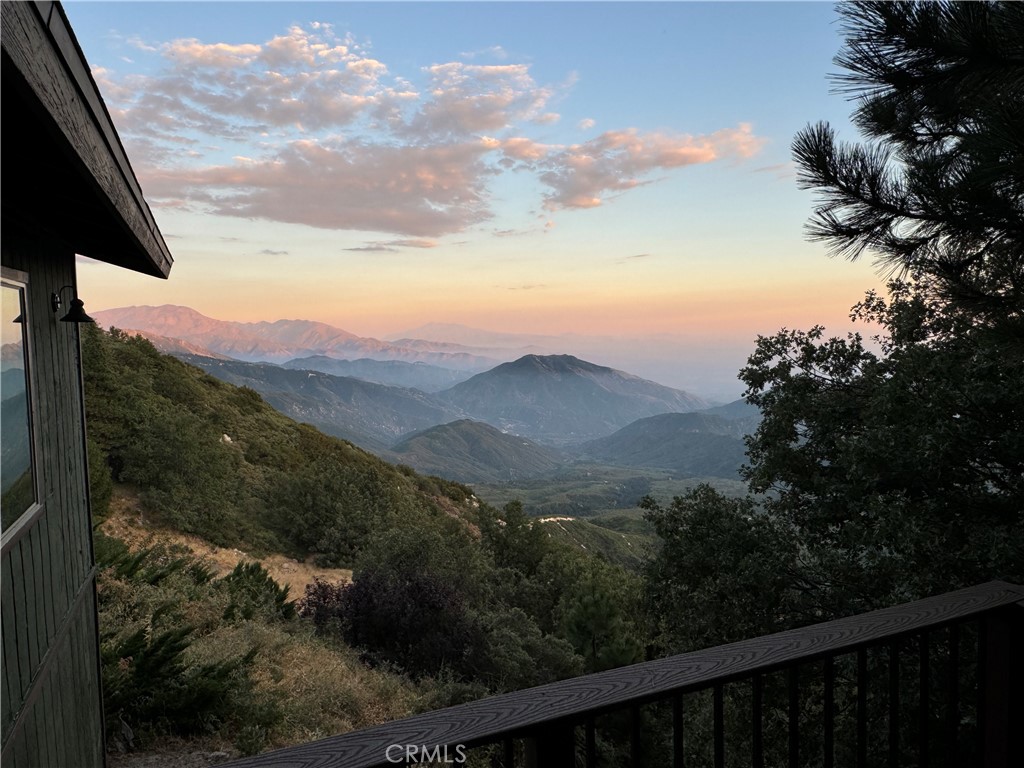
(17, 482)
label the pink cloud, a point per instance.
(415, 191)
(323, 134)
(581, 175)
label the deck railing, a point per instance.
(910, 684)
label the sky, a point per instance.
(610, 169)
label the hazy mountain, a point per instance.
(429, 378)
(11, 356)
(12, 382)
(176, 347)
(276, 341)
(475, 337)
(560, 399)
(473, 452)
(370, 415)
(692, 444)
(743, 413)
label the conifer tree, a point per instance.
(939, 189)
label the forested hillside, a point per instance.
(451, 599)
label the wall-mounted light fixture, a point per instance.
(76, 312)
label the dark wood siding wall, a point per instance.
(51, 706)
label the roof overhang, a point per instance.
(79, 185)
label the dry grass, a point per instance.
(128, 523)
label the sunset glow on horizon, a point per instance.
(606, 169)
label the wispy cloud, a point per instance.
(779, 170)
(307, 127)
(272, 252)
(635, 257)
(393, 246)
(494, 51)
(582, 175)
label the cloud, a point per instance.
(393, 246)
(409, 190)
(586, 124)
(524, 287)
(779, 170)
(470, 99)
(580, 176)
(626, 259)
(307, 127)
(272, 252)
(495, 51)
(373, 248)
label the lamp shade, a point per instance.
(76, 314)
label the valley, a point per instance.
(564, 435)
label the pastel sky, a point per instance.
(600, 168)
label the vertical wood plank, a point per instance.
(924, 700)
(828, 747)
(678, 758)
(718, 704)
(12, 664)
(793, 683)
(1000, 684)
(757, 722)
(953, 698)
(635, 744)
(862, 707)
(894, 704)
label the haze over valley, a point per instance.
(482, 412)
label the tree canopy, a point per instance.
(895, 468)
(939, 188)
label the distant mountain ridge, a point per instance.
(276, 341)
(395, 373)
(373, 416)
(560, 399)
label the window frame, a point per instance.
(19, 280)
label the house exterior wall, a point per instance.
(51, 699)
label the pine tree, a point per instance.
(938, 191)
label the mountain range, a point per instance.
(422, 376)
(274, 342)
(511, 421)
(373, 416)
(560, 399)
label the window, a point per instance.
(17, 465)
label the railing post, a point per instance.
(1002, 686)
(553, 746)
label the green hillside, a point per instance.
(215, 460)
(451, 599)
(474, 452)
(690, 444)
(628, 549)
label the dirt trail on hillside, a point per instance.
(128, 523)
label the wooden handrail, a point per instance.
(516, 714)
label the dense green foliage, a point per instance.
(449, 593)
(214, 460)
(511, 610)
(151, 681)
(895, 470)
